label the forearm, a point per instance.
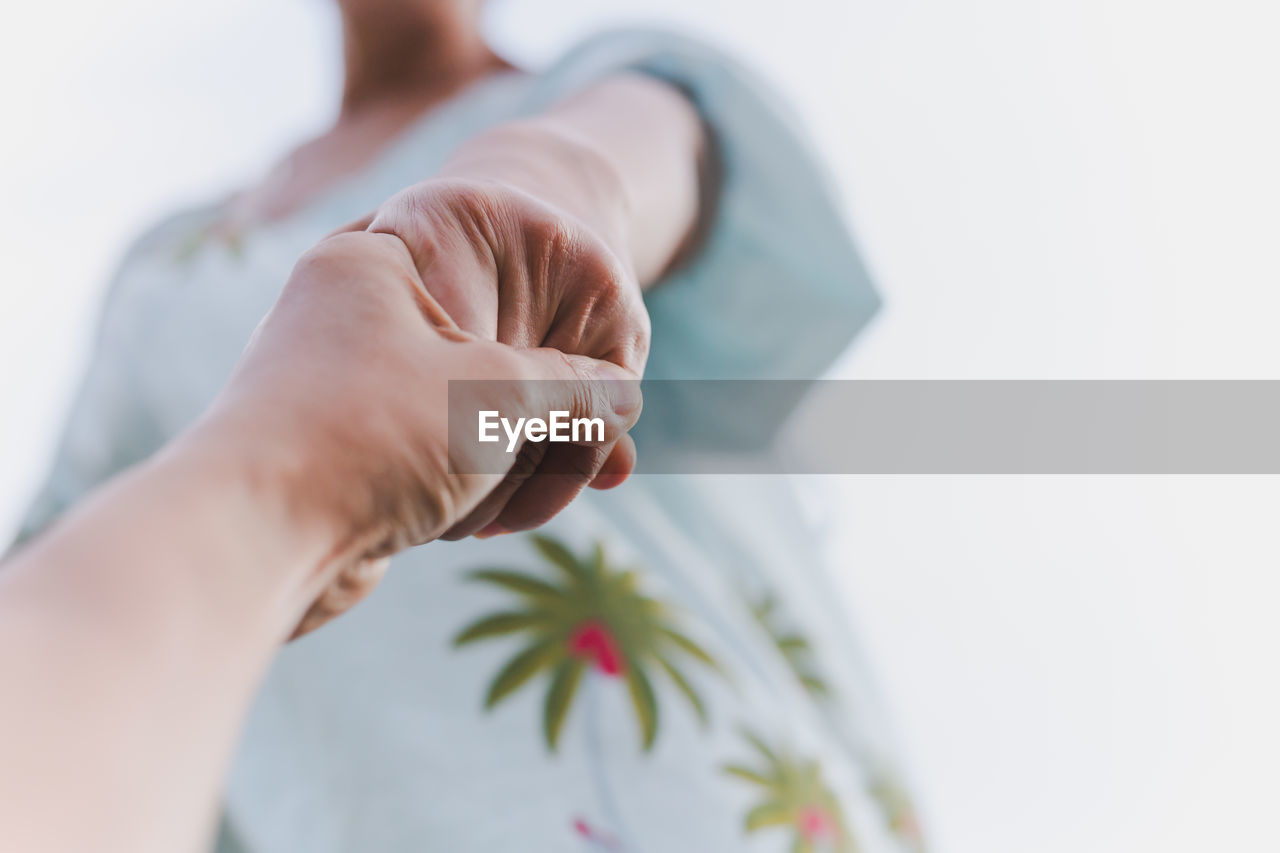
(626, 157)
(132, 636)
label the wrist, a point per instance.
(261, 535)
(550, 162)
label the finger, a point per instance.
(360, 224)
(599, 391)
(527, 461)
(566, 470)
(342, 262)
(447, 267)
(623, 341)
(585, 388)
(618, 467)
(542, 496)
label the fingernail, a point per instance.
(625, 396)
(490, 530)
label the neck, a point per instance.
(400, 49)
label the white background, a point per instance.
(1083, 188)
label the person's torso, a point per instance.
(667, 672)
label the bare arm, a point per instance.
(626, 156)
(131, 638)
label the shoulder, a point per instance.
(695, 65)
(643, 45)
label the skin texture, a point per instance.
(136, 629)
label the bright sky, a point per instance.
(1080, 188)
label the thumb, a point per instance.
(585, 388)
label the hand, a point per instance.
(507, 266)
(542, 231)
(340, 404)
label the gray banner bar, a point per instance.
(954, 427)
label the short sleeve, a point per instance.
(779, 288)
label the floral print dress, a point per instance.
(663, 668)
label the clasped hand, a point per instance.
(521, 259)
(342, 395)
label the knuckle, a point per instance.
(322, 254)
(568, 365)
(408, 217)
(499, 361)
(601, 270)
(588, 399)
(546, 233)
(348, 250)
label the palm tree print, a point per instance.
(592, 617)
(793, 645)
(794, 796)
(898, 809)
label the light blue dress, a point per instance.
(668, 668)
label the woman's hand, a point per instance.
(542, 232)
(515, 267)
(340, 408)
(507, 266)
